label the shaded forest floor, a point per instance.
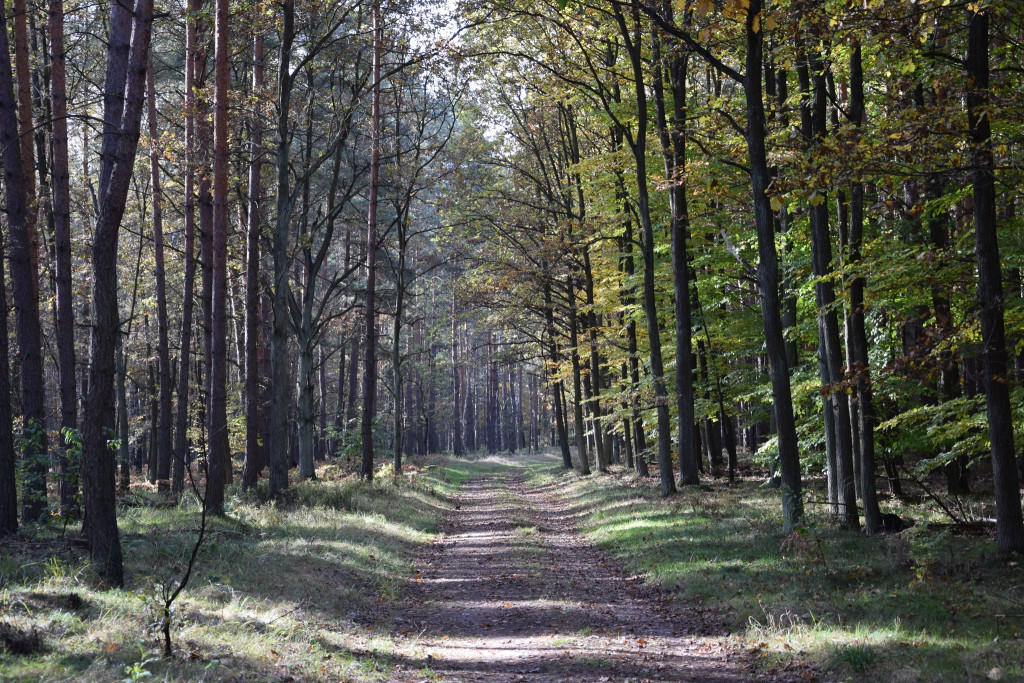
(475, 570)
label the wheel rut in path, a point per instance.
(511, 592)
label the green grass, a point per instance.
(281, 588)
(918, 606)
(293, 587)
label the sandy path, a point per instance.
(511, 592)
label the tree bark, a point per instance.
(556, 384)
(673, 147)
(253, 453)
(458, 448)
(277, 429)
(65, 316)
(124, 99)
(600, 442)
(370, 336)
(163, 431)
(188, 288)
(24, 260)
(15, 199)
(768, 274)
(859, 342)
(219, 456)
(813, 117)
(638, 146)
(577, 399)
(1009, 523)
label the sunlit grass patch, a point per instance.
(920, 605)
(281, 588)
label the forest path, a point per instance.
(512, 592)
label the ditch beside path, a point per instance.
(512, 592)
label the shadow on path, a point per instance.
(511, 592)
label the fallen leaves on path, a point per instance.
(511, 592)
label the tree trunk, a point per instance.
(339, 413)
(192, 61)
(25, 269)
(16, 212)
(124, 99)
(123, 431)
(1009, 524)
(493, 433)
(458, 448)
(154, 402)
(858, 339)
(163, 431)
(768, 274)
(828, 325)
(321, 447)
(277, 428)
(8, 465)
(370, 337)
(673, 146)
(577, 399)
(219, 455)
(353, 383)
(556, 384)
(600, 442)
(304, 407)
(253, 453)
(398, 389)
(638, 146)
(470, 411)
(65, 317)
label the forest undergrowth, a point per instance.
(305, 587)
(295, 588)
(930, 603)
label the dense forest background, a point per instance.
(688, 238)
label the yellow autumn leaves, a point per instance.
(736, 10)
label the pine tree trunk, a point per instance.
(65, 317)
(24, 260)
(123, 431)
(253, 409)
(277, 428)
(458, 448)
(192, 60)
(304, 408)
(163, 432)
(219, 456)
(124, 100)
(370, 315)
(15, 205)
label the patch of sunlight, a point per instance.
(380, 525)
(611, 508)
(782, 631)
(642, 523)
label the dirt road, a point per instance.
(511, 592)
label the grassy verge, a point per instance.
(289, 588)
(922, 605)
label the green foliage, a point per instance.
(139, 670)
(33, 464)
